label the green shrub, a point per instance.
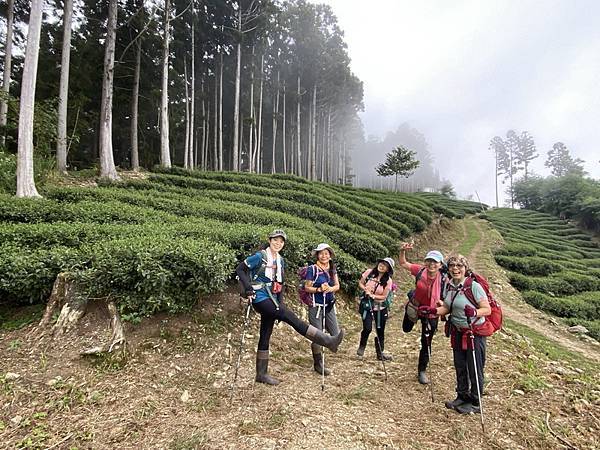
(528, 265)
(585, 306)
(514, 249)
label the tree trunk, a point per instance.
(25, 180)
(221, 115)
(187, 146)
(285, 168)
(63, 96)
(215, 126)
(135, 158)
(252, 128)
(496, 155)
(7, 69)
(313, 135)
(299, 152)
(205, 131)
(260, 108)
(165, 153)
(193, 161)
(107, 163)
(275, 116)
(236, 102)
(329, 177)
(323, 149)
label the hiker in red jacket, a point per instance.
(466, 318)
(430, 280)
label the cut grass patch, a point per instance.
(551, 349)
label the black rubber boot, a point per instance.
(380, 354)
(362, 345)
(324, 340)
(262, 365)
(318, 364)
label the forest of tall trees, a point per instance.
(249, 85)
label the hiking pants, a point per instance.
(331, 324)
(368, 327)
(466, 386)
(425, 342)
(269, 314)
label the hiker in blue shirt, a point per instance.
(321, 282)
(261, 276)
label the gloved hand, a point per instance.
(470, 311)
(424, 310)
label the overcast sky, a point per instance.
(462, 72)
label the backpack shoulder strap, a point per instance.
(468, 291)
(316, 270)
(419, 274)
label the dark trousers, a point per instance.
(269, 314)
(466, 385)
(426, 338)
(368, 327)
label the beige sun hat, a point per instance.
(323, 246)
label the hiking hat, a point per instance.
(323, 246)
(435, 255)
(278, 233)
(459, 259)
(389, 262)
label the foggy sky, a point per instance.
(462, 72)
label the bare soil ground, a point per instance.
(172, 389)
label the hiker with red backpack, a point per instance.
(376, 284)
(261, 276)
(467, 302)
(430, 280)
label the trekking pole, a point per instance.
(323, 351)
(472, 338)
(429, 337)
(377, 339)
(239, 358)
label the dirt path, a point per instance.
(172, 392)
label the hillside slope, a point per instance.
(173, 389)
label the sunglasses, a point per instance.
(460, 266)
(430, 261)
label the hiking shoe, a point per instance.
(384, 357)
(468, 408)
(423, 378)
(453, 404)
(361, 350)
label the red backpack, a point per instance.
(495, 318)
